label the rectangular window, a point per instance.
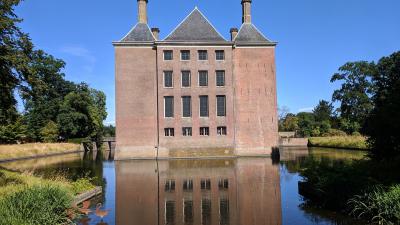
(220, 78)
(204, 106)
(185, 78)
(169, 106)
(206, 211)
(169, 185)
(221, 131)
(169, 132)
(168, 55)
(223, 184)
(188, 185)
(185, 55)
(188, 216)
(186, 106)
(205, 184)
(170, 212)
(220, 55)
(203, 78)
(186, 131)
(168, 79)
(224, 211)
(204, 131)
(221, 105)
(203, 55)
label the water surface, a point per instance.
(243, 191)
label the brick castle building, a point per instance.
(195, 93)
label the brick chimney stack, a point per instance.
(156, 32)
(246, 4)
(142, 11)
(234, 32)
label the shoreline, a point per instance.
(39, 156)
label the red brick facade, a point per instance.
(249, 89)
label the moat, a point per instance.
(232, 191)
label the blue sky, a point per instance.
(315, 37)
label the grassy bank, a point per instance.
(34, 149)
(363, 188)
(345, 142)
(26, 200)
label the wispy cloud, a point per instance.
(307, 109)
(109, 123)
(82, 53)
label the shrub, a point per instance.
(36, 205)
(335, 133)
(82, 185)
(378, 206)
(49, 133)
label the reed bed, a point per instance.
(35, 149)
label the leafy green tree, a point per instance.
(383, 124)
(290, 123)
(306, 124)
(323, 111)
(355, 92)
(49, 133)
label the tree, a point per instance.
(306, 124)
(356, 90)
(290, 123)
(383, 124)
(49, 133)
(323, 111)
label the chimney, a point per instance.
(234, 32)
(156, 32)
(246, 4)
(142, 11)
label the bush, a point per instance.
(82, 185)
(378, 206)
(36, 205)
(334, 133)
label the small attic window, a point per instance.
(185, 55)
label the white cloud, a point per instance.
(82, 53)
(109, 123)
(307, 109)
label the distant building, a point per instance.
(195, 93)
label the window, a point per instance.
(224, 211)
(170, 185)
(168, 55)
(221, 131)
(188, 217)
(203, 78)
(205, 184)
(220, 78)
(188, 185)
(220, 55)
(203, 55)
(187, 131)
(185, 78)
(168, 79)
(204, 106)
(169, 132)
(169, 106)
(185, 55)
(206, 211)
(186, 106)
(204, 131)
(170, 212)
(223, 184)
(221, 105)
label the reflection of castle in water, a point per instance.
(244, 191)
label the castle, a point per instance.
(195, 93)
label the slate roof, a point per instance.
(139, 33)
(249, 34)
(195, 28)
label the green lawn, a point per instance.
(347, 142)
(34, 149)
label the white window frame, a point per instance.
(172, 77)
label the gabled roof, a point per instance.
(195, 28)
(249, 34)
(139, 33)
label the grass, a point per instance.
(345, 142)
(27, 150)
(26, 199)
(380, 205)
